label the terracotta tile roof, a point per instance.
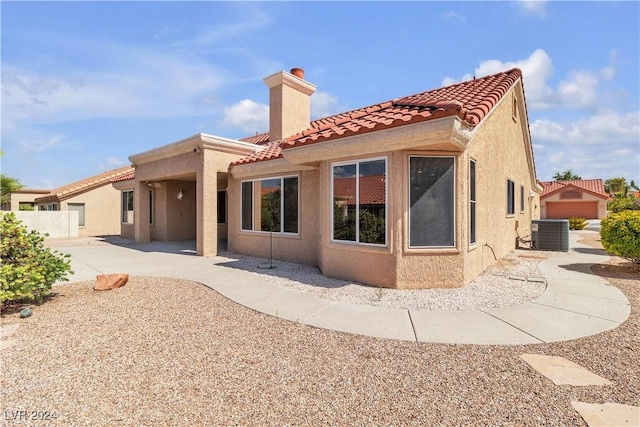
(273, 151)
(594, 186)
(470, 100)
(372, 190)
(87, 184)
(258, 139)
(130, 175)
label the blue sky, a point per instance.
(86, 84)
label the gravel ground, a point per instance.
(171, 352)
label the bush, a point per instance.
(29, 269)
(620, 234)
(619, 204)
(577, 223)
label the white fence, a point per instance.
(58, 224)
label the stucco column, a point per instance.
(207, 205)
(141, 213)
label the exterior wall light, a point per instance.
(180, 194)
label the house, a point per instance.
(585, 198)
(95, 200)
(23, 199)
(422, 191)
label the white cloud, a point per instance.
(533, 7)
(112, 163)
(38, 145)
(452, 15)
(599, 146)
(248, 115)
(324, 104)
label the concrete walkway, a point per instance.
(577, 303)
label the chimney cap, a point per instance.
(298, 72)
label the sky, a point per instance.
(87, 84)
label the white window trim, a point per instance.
(253, 188)
(386, 202)
(122, 211)
(455, 222)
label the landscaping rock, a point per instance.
(26, 312)
(105, 282)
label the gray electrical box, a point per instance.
(550, 234)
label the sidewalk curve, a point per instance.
(576, 303)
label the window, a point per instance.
(49, 207)
(127, 207)
(222, 207)
(431, 202)
(511, 202)
(522, 198)
(151, 194)
(360, 201)
(472, 202)
(270, 205)
(77, 207)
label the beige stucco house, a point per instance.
(585, 198)
(95, 200)
(23, 199)
(422, 191)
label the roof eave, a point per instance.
(450, 130)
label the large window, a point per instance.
(270, 205)
(127, 207)
(78, 207)
(431, 201)
(472, 202)
(511, 197)
(360, 201)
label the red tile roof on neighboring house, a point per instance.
(258, 139)
(86, 184)
(594, 186)
(273, 151)
(372, 190)
(470, 100)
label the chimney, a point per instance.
(289, 103)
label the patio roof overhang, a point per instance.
(195, 143)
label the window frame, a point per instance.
(282, 201)
(122, 207)
(473, 203)
(522, 203)
(453, 212)
(357, 162)
(511, 198)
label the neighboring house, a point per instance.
(417, 192)
(95, 200)
(585, 198)
(23, 200)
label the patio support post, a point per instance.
(141, 213)
(207, 205)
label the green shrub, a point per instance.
(577, 223)
(620, 234)
(619, 204)
(29, 269)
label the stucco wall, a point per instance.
(101, 211)
(302, 248)
(58, 224)
(24, 197)
(500, 152)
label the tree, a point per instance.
(616, 186)
(8, 185)
(567, 175)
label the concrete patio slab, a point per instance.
(608, 414)
(603, 290)
(289, 305)
(365, 320)
(608, 309)
(550, 324)
(562, 371)
(466, 327)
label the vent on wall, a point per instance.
(550, 234)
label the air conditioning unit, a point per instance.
(550, 234)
